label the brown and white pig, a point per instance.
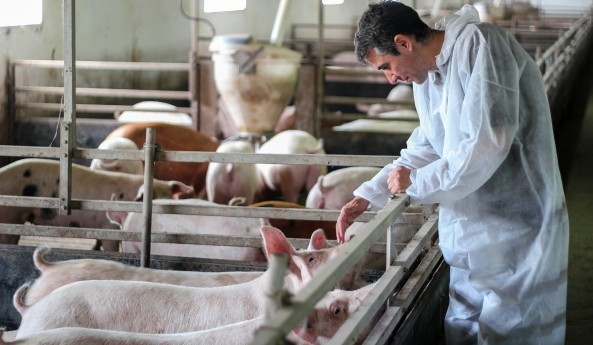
(56, 274)
(193, 224)
(322, 323)
(34, 177)
(119, 165)
(171, 137)
(290, 180)
(334, 190)
(225, 181)
(163, 308)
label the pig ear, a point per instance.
(318, 240)
(275, 241)
(180, 190)
(116, 217)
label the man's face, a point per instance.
(407, 67)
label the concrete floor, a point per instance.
(579, 198)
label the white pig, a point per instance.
(119, 165)
(225, 181)
(56, 274)
(290, 180)
(334, 190)
(193, 224)
(400, 93)
(159, 308)
(35, 177)
(322, 323)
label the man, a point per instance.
(485, 152)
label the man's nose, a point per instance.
(390, 77)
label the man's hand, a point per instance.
(399, 180)
(349, 212)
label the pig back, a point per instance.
(172, 137)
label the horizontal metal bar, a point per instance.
(28, 201)
(107, 65)
(413, 285)
(94, 108)
(199, 156)
(364, 100)
(101, 92)
(136, 236)
(384, 327)
(424, 235)
(291, 159)
(352, 72)
(30, 151)
(349, 117)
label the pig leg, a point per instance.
(289, 191)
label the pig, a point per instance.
(400, 93)
(225, 181)
(331, 312)
(125, 166)
(334, 190)
(168, 115)
(40, 178)
(165, 308)
(173, 137)
(239, 333)
(290, 180)
(56, 274)
(322, 323)
(193, 224)
(352, 280)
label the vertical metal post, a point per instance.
(11, 118)
(391, 250)
(67, 126)
(320, 74)
(149, 158)
(194, 65)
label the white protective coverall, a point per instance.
(485, 151)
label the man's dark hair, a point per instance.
(381, 22)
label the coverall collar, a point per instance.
(453, 24)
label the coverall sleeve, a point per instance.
(488, 94)
(419, 152)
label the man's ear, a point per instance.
(402, 42)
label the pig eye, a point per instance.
(337, 311)
(311, 259)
